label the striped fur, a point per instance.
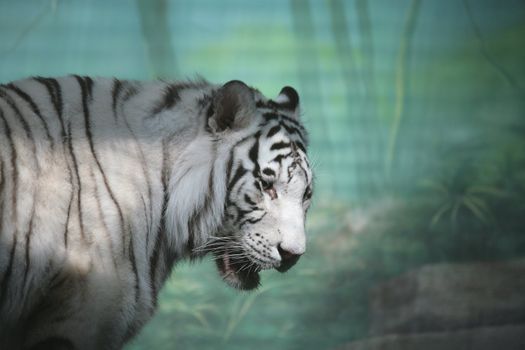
(105, 184)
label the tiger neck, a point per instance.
(196, 189)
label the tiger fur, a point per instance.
(105, 184)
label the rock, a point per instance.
(511, 337)
(448, 297)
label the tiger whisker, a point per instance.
(215, 241)
(247, 266)
(211, 245)
(222, 256)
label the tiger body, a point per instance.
(105, 184)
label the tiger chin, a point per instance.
(106, 184)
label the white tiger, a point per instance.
(105, 184)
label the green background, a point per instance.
(416, 111)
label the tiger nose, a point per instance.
(287, 256)
(288, 259)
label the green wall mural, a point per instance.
(416, 114)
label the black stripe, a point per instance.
(241, 213)
(50, 85)
(146, 220)
(86, 88)
(14, 214)
(58, 97)
(14, 169)
(295, 128)
(8, 272)
(20, 117)
(253, 154)
(270, 116)
(252, 220)
(28, 244)
(170, 98)
(301, 146)
(55, 93)
(101, 217)
(24, 96)
(280, 145)
(292, 130)
(229, 167)
(307, 194)
(155, 257)
(293, 121)
(300, 164)
(144, 167)
(89, 87)
(130, 92)
(132, 328)
(248, 200)
(172, 93)
(244, 139)
(164, 172)
(154, 260)
(159, 249)
(192, 222)
(117, 86)
(260, 104)
(239, 173)
(134, 265)
(66, 226)
(274, 130)
(79, 185)
(270, 104)
(280, 157)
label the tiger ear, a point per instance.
(288, 99)
(233, 105)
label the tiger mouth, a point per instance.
(238, 273)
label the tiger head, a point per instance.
(268, 183)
